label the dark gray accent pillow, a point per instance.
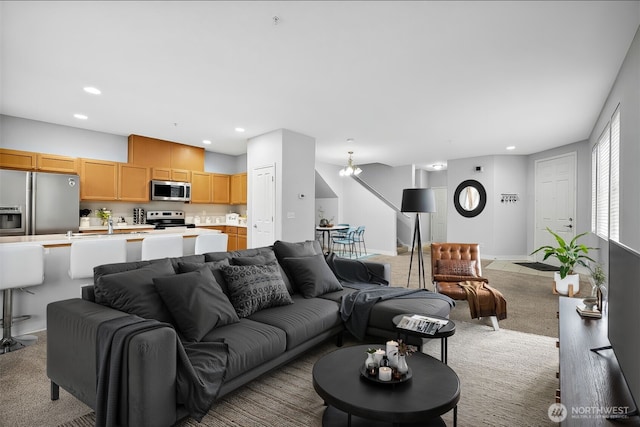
(288, 250)
(196, 302)
(255, 287)
(262, 259)
(133, 291)
(214, 266)
(312, 276)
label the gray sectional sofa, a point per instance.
(251, 310)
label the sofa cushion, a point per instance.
(456, 267)
(255, 287)
(196, 302)
(305, 319)
(250, 345)
(265, 258)
(311, 275)
(214, 266)
(133, 291)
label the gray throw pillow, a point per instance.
(196, 302)
(312, 276)
(264, 258)
(214, 266)
(133, 291)
(300, 249)
(255, 287)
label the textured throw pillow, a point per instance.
(133, 291)
(255, 287)
(312, 276)
(214, 266)
(196, 302)
(457, 267)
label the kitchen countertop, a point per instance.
(63, 240)
(220, 224)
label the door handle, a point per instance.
(569, 226)
(255, 225)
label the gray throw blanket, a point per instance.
(200, 370)
(356, 306)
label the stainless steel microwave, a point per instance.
(171, 191)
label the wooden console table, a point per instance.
(591, 383)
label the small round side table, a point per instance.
(443, 333)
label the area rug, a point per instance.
(540, 266)
(507, 379)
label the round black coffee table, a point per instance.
(443, 333)
(353, 400)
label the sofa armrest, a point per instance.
(71, 360)
(353, 270)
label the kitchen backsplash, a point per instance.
(125, 210)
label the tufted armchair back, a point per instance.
(455, 251)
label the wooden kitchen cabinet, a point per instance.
(104, 180)
(168, 174)
(98, 180)
(220, 184)
(133, 183)
(16, 159)
(150, 152)
(187, 157)
(242, 238)
(232, 231)
(55, 163)
(201, 191)
(238, 194)
(158, 153)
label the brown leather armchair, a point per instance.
(456, 271)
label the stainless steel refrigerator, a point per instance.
(38, 203)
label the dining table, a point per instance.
(326, 234)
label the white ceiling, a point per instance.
(411, 82)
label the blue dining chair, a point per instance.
(346, 242)
(358, 239)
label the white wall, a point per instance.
(626, 92)
(293, 156)
(499, 229)
(298, 178)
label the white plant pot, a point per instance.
(562, 285)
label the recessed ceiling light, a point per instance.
(511, 147)
(92, 90)
(239, 129)
(437, 166)
(80, 116)
(206, 142)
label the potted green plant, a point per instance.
(568, 255)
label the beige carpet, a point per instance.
(507, 379)
(531, 306)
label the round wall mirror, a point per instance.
(470, 198)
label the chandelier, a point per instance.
(350, 169)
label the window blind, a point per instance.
(614, 179)
(594, 187)
(602, 200)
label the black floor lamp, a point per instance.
(418, 200)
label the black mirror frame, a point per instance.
(481, 204)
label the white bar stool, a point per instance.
(211, 242)
(20, 266)
(167, 246)
(87, 254)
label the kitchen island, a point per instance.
(57, 283)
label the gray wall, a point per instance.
(31, 135)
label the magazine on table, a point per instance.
(423, 324)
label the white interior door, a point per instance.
(263, 202)
(555, 200)
(439, 217)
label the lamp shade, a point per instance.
(418, 200)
